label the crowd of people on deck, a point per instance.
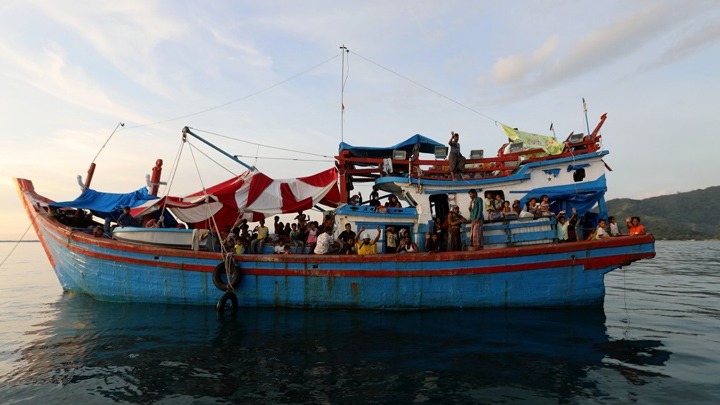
(445, 234)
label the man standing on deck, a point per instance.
(476, 221)
(455, 159)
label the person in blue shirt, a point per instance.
(125, 218)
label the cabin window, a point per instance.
(579, 175)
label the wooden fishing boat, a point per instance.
(521, 264)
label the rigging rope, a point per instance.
(237, 99)
(214, 225)
(260, 144)
(173, 171)
(429, 89)
(120, 124)
(290, 159)
(19, 241)
(211, 159)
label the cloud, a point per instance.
(249, 54)
(695, 40)
(515, 67)
(126, 34)
(522, 74)
(49, 72)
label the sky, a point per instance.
(263, 81)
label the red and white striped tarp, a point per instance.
(251, 195)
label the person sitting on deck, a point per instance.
(507, 211)
(497, 207)
(352, 247)
(257, 245)
(311, 236)
(366, 246)
(634, 226)
(295, 238)
(326, 245)
(374, 197)
(613, 227)
(600, 232)
(545, 206)
(533, 207)
(98, 231)
(393, 202)
(347, 239)
(517, 210)
(433, 243)
(488, 205)
(239, 247)
(407, 246)
(125, 219)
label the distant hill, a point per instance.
(681, 216)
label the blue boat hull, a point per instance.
(548, 275)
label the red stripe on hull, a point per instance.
(67, 236)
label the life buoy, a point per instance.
(221, 304)
(220, 276)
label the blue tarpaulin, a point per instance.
(424, 145)
(106, 204)
(582, 197)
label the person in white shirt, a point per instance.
(600, 232)
(563, 225)
(613, 226)
(326, 244)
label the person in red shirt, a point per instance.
(634, 226)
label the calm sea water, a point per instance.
(657, 340)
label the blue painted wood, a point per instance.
(437, 281)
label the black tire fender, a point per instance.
(221, 304)
(220, 276)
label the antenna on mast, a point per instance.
(587, 124)
(343, 50)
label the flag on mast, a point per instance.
(551, 126)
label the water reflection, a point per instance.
(150, 353)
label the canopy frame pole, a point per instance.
(186, 131)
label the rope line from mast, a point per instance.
(429, 89)
(260, 144)
(120, 124)
(193, 147)
(213, 225)
(19, 240)
(237, 99)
